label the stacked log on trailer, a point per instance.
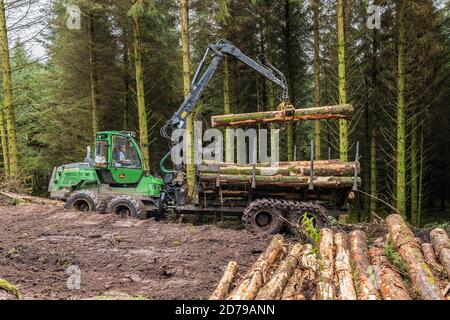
(344, 266)
(326, 174)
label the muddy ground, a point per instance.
(155, 260)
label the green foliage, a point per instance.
(309, 226)
(395, 259)
(142, 8)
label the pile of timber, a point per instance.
(344, 267)
(343, 111)
(325, 173)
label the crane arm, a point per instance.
(201, 80)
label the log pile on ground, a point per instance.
(326, 174)
(344, 111)
(344, 267)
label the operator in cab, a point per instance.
(120, 158)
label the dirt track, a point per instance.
(140, 258)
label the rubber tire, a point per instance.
(90, 197)
(251, 214)
(131, 203)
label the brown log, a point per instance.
(390, 281)
(293, 289)
(344, 275)
(366, 287)
(222, 288)
(293, 180)
(419, 272)
(249, 287)
(431, 258)
(273, 289)
(301, 168)
(325, 288)
(441, 244)
(344, 111)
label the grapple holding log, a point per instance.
(344, 111)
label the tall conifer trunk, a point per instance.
(317, 102)
(401, 165)
(140, 93)
(8, 99)
(190, 166)
(93, 76)
(343, 124)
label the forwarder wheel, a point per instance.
(83, 201)
(314, 212)
(262, 216)
(125, 206)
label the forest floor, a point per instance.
(40, 245)
(116, 256)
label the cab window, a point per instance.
(124, 154)
(101, 153)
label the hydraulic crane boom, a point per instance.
(200, 81)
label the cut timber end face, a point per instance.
(343, 111)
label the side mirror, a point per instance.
(88, 158)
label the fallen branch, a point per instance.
(31, 199)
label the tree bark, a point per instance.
(441, 244)
(419, 272)
(93, 76)
(317, 102)
(343, 124)
(126, 77)
(185, 40)
(257, 276)
(325, 288)
(431, 258)
(346, 289)
(401, 106)
(140, 94)
(273, 289)
(293, 289)
(390, 281)
(326, 112)
(8, 98)
(4, 138)
(291, 78)
(223, 287)
(366, 289)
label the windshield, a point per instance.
(101, 153)
(124, 154)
